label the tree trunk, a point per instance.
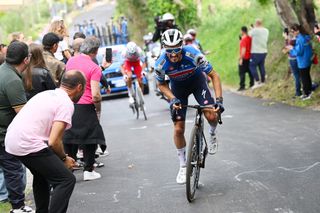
(285, 12)
(199, 8)
(301, 12)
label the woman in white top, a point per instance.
(63, 53)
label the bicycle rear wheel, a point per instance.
(141, 102)
(193, 164)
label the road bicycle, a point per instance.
(139, 103)
(197, 151)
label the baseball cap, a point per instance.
(50, 39)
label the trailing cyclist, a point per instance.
(134, 60)
(186, 67)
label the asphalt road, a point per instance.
(99, 12)
(268, 159)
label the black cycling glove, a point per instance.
(219, 103)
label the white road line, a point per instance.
(300, 169)
(237, 177)
(138, 128)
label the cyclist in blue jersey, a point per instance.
(187, 69)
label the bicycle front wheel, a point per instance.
(141, 103)
(193, 164)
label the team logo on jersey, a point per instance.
(190, 55)
(204, 94)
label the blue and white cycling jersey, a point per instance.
(192, 64)
(186, 78)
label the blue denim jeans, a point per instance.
(3, 189)
(257, 60)
(14, 174)
(296, 75)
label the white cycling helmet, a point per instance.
(172, 37)
(167, 17)
(132, 47)
(192, 32)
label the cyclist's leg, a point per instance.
(204, 97)
(138, 72)
(178, 117)
(127, 69)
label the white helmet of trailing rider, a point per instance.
(171, 38)
(187, 37)
(132, 47)
(192, 32)
(167, 17)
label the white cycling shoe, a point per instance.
(213, 145)
(181, 177)
(131, 100)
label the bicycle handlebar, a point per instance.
(199, 107)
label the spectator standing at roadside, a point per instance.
(16, 36)
(259, 36)
(290, 40)
(50, 43)
(37, 78)
(86, 129)
(124, 30)
(58, 27)
(35, 138)
(303, 51)
(244, 58)
(12, 99)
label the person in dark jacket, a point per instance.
(38, 78)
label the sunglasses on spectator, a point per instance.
(173, 50)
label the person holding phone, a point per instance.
(133, 61)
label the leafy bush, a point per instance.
(141, 13)
(15, 20)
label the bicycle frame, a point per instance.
(138, 97)
(197, 152)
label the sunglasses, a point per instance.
(173, 50)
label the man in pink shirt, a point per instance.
(35, 138)
(86, 129)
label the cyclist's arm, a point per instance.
(164, 88)
(215, 79)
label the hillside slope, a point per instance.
(219, 33)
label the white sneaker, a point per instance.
(181, 177)
(131, 100)
(98, 164)
(101, 153)
(91, 175)
(257, 84)
(79, 154)
(23, 209)
(213, 144)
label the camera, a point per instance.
(286, 31)
(316, 25)
(160, 25)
